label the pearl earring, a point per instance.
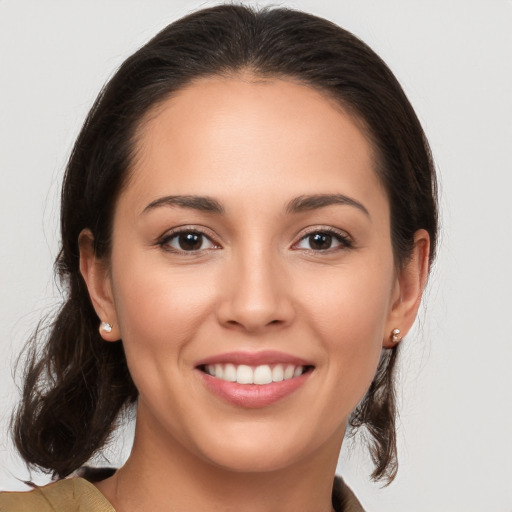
(105, 326)
(395, 336)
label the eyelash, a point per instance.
(345, 242)
(169, 236)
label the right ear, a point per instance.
(96, 275)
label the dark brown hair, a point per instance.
(76, 385)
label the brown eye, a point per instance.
(320, 241)
(188, 241)
(324, 241)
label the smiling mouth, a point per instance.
(259, 375)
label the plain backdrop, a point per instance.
(454, 60)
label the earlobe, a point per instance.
(411, 282)
(97, 278)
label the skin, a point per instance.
(257, 282)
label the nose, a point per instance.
(256, 294)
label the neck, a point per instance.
(166, 477)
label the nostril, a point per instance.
(237, 323)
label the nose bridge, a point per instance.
(256, 294)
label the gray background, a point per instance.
(454, 60)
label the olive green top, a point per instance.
(79, 495)
(70, 495)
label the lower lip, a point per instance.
(252, 396)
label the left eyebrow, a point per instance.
(315, 201)
(202, 203)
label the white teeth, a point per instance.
(244, 374)
(229, 373)
(278, 373)
(260, 375)
(289, 371)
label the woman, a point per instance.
(248, 219)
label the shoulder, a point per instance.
(343, 499)
(71, 495)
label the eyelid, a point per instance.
(343, 237)
(168, 235)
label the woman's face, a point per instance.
(252, 242)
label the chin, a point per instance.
(258, 451)
(255, 459)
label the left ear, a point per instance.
(409, 286)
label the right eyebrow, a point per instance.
(317, 201)
(202, 203)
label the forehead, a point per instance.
(251, 135)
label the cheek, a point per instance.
(349, 315)
(158, 311)
(351, 304)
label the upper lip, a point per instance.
(269, 357)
